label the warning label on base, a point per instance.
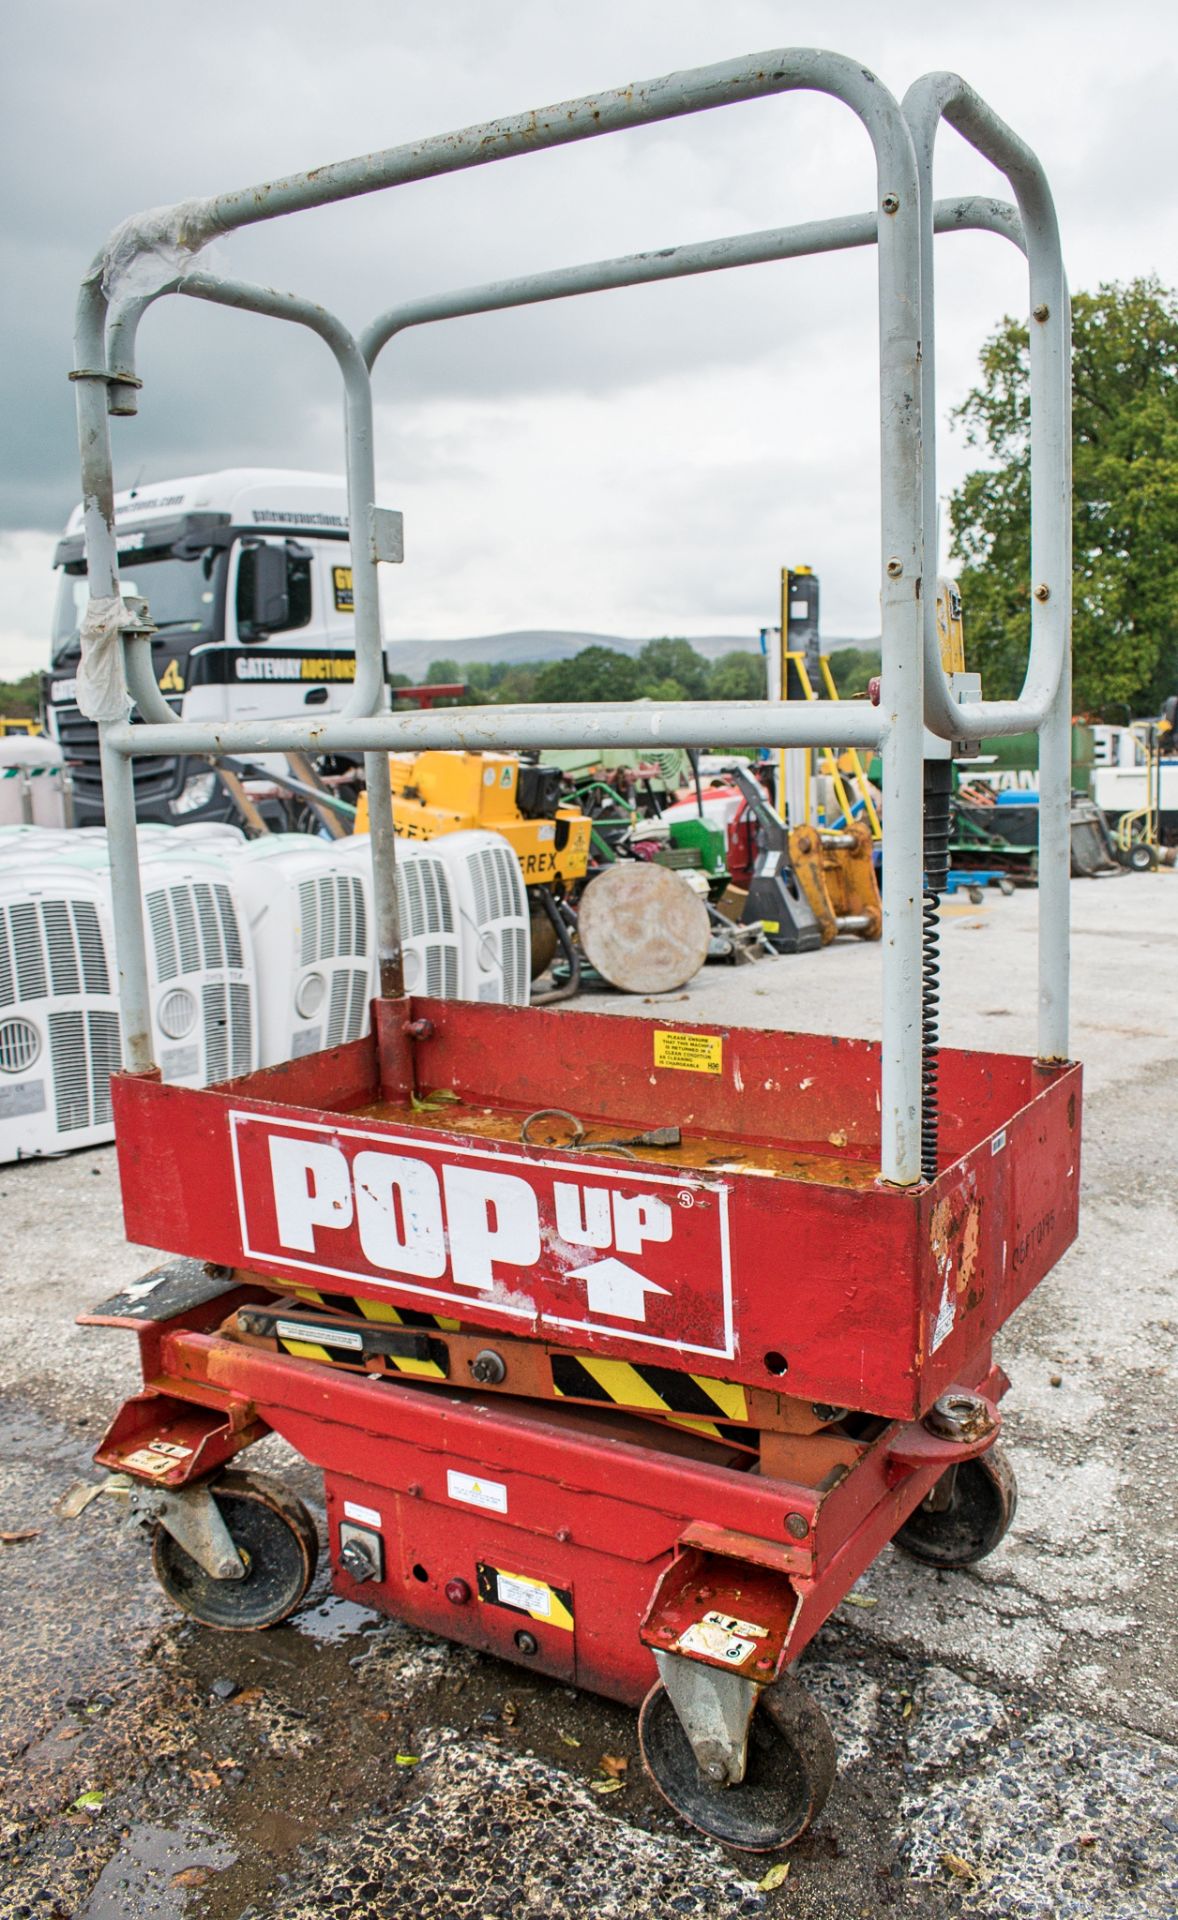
(693, 1052)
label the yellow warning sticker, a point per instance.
(693, 1052)
(771, 926)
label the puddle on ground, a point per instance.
(153, 1873)
(334, 1620)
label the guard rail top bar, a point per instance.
(157, 252)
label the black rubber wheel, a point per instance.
(1140, 858)
(981, 1507)
(791, 1769)
(977, 895)
(274, 1534)
(1006, 886)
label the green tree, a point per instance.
(442, 673)
(851, 668)
(19, 699)
(516, 686)
(738, 676)
(676, 661)
(1125, 514)
(596, 673)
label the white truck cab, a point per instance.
(247, 575)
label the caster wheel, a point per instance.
(276, 1538)
(791, 1769)
(1006, 886)
(976, 895)
(980, 1509)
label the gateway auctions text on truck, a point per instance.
(248, 577)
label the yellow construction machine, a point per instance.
(833, 816)
(443, 792)
(440, 792)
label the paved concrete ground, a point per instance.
(1006, 1735)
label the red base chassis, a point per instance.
(762, 1258)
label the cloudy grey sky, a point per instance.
(640, 462)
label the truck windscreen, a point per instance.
(181, 594)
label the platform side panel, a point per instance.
(795, 1087)
(996, 1223)
(787, 1088)
(338, 1078)
(795, 1288)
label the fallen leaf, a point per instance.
(92, 1798)
(958, 1867)
(775, 1877)
(69, 1733)
(1086, 1840)
(192, 1877)
(77, 1498)
(26, 1533)
(614, 1764)
(509, 1713)
(204, 1780)
(249, 1697)
(606, 1786)
(838, 1138)
(859, 1600)
(569, 1741)
(407, 1759)
(430, 1102)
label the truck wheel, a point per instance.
(980, 1508)
(276, 1538)
(791, 1769)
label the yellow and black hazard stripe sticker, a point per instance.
(406, 1350)
(691, 1399)
(523, 1593)
(378, 1311)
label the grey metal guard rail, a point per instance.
(106, 381)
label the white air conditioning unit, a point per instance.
(201, 968)
(59, 1020)
(310, 921)
(430, 939)
(212, 836)
(491, 903)
(19, 842)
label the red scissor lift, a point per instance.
(624, 1345)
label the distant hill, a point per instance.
(415, 656)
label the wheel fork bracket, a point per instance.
(714, 1710)
(195, 1522)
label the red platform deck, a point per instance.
(763, 1250)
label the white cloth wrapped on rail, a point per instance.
(102, 682)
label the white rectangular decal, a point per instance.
(514, 1592)
(716, 1643)
(320, 1336)
(367, 1516)
(491, 1494)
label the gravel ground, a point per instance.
(1006, 1735)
